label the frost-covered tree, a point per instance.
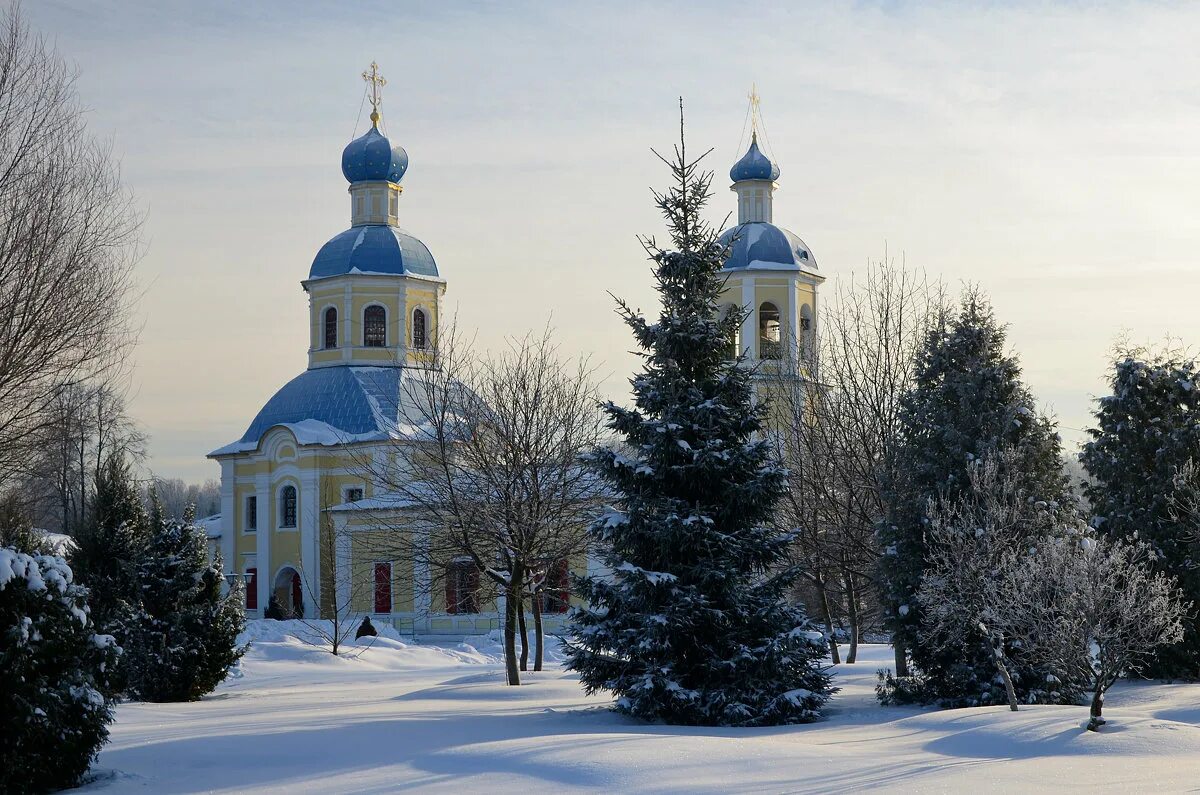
(1146, 432)
(184, 639)
(1092, 610)
(967, 403)
(53, 665)
(969, 609)
(691, 627)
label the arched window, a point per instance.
(287, 507)
(375, 327)
(807, 347)
(768, 331)
(331, 327)
(418, 329)
(735, 340)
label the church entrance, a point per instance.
(289, 593)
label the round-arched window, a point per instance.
(420, 336)
(331, 327)
(375, 327)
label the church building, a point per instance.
(294, 480)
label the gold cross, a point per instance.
(377, 82)
(753, 111)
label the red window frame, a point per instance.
(383, 587)
(252, 589)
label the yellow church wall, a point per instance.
(369, 548)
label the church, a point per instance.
(294, 481)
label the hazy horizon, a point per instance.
(1047, 153)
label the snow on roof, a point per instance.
(211, 525)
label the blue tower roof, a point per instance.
(762, 245)
(373, 248)
(371, 156)
(754, 165)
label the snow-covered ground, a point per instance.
(409, 716)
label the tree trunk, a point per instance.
(852, 614)
(524, 631)
(901, 657)
(538, 636)
(510, 629)
(998, 656)
(834, 656)
(1096, 721)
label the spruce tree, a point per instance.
(54, 666)
(967, 405)
(108, 551)
(184, 639)
(691, 627)
(1146, 431)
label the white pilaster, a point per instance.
(229, 518)
(341, 571)
(793, 340)
(310, 517)
(750, 323)
(422, 582)
(347, 341)
(266, 525)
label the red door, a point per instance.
(252, 590)
(383, 587)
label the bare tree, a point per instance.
(1092, 609)
(837, 399)
(493, 477)
(335, 597)
(68, 239)
(84, 426)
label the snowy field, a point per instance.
(405, 716)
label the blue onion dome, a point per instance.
(373, 249)
(763, 246)
(371, 157)
(754, 165)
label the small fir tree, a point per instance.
(53, 670)
(184, 640)
(967, 404)
(108, 551)
(1147, 431)
(691, 627)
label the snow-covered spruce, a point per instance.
(692, 627)
(1147, 431)
(106, 556)
(184, 639)
(968, 402)
(53, 714)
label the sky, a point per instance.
(1047, 152)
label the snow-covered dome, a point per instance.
(754, 165)
(759, 244)
(334, 405)
(371, 157)
(373, 248)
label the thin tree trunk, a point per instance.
(524, 631)
(510, 634)
(998, 656)
(835, 657)
(538, 637)
(852, 614)
(901, 657)
(1096, 720)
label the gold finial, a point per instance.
(754, 101)
(377, 82)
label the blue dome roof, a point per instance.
(372, 157)
(763, 245)
(373, 248)
(753, 165)
(349, 399)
